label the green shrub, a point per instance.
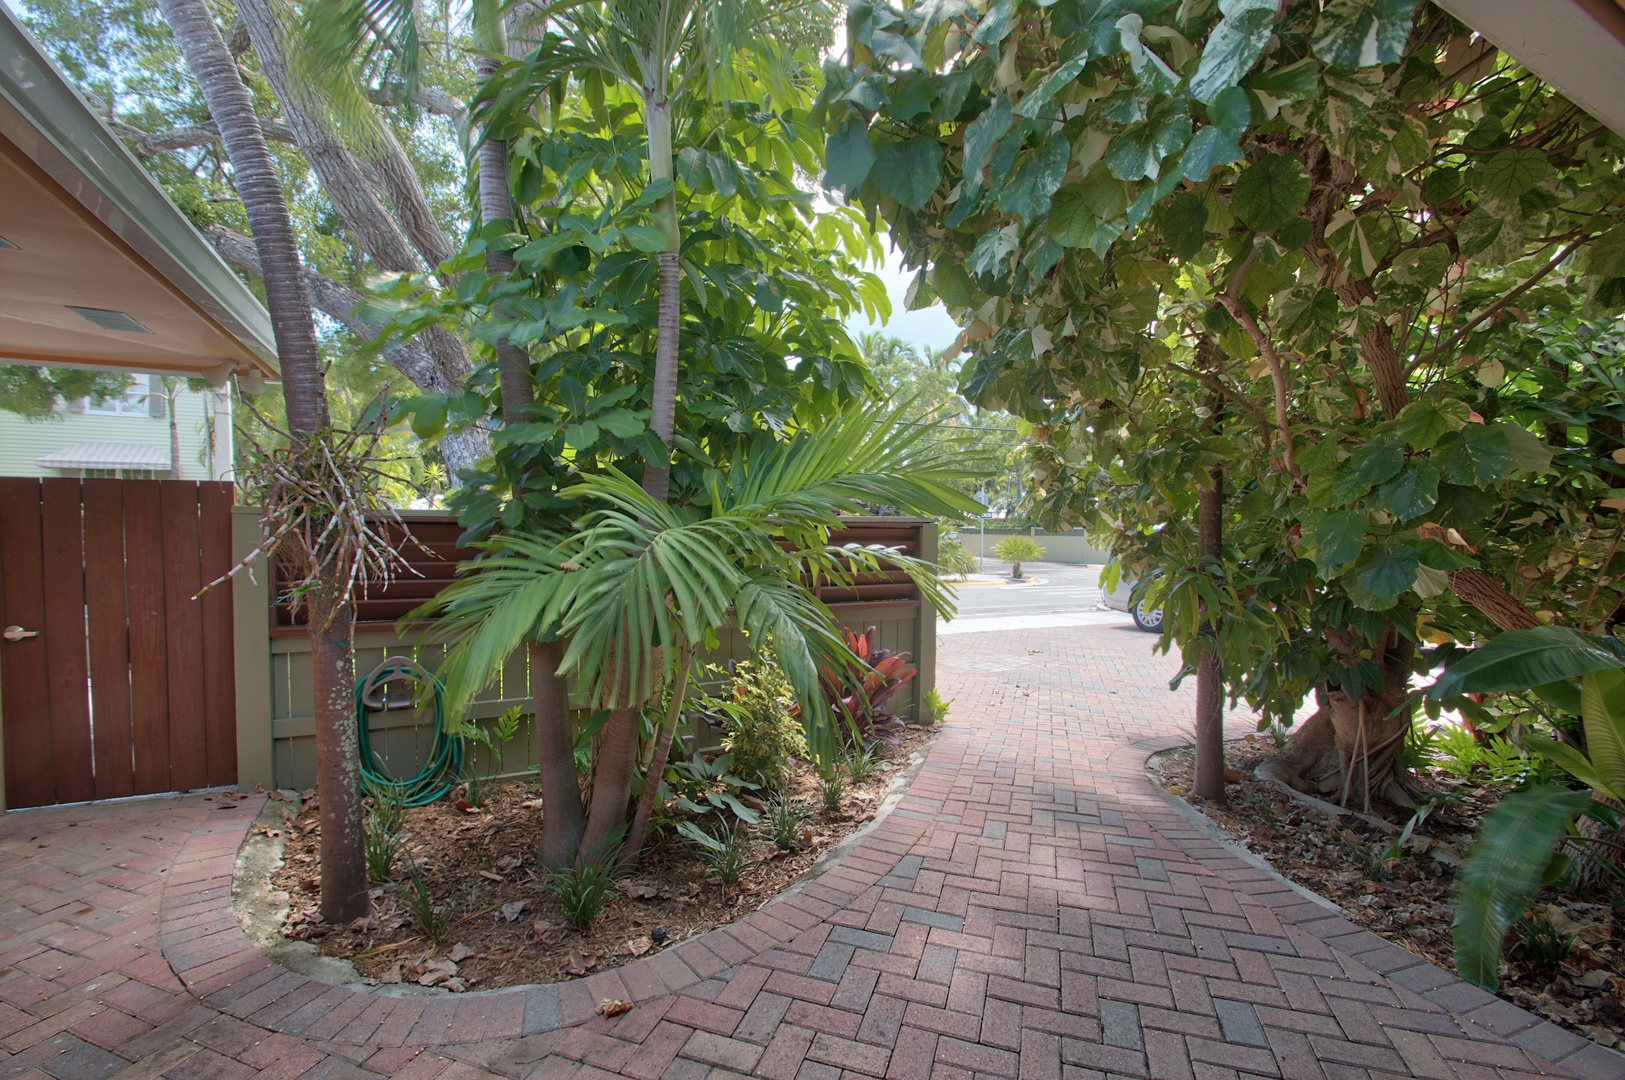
(756, 707)
(952, 556)
(727, 852)
(785, 820)
(1016, 550)
(583, 889)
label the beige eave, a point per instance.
(92, 230)
(1578, 46)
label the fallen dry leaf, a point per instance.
(459, 953)
(513, 909)
(613, 1007)
(392, 974)
(488, 876)
(638, 946)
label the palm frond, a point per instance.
(498, 603)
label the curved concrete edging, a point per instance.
(221, 967)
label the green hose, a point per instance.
(445, 763)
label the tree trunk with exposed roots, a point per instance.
(1345, 751)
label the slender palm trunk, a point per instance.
(286, 297)
(343, 870)
(663, 417)
(612, 783)
(657, 763)
(562, 820)
(617, 752)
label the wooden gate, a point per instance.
(114, 680)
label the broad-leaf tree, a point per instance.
(1351, 201)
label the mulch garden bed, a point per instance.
(1408, 898)
(503, 926)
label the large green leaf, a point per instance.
(1511, 174)
(1528, 452)
(982, 133)
(1183, 219)
(1477, 454)
(1411, 494)
(1503, 870)
(1424, 422)
(1570, 761)
(1524, 659)
(848, 157)
(1360, 33)
(910, 171)
(1377, 461)
(1339, 538)
(1027, 195)
(1233, 47)
(1602, 706)
(1211, 148)
(1388, 570)
(1270, 192)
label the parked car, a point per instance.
(1120, 598)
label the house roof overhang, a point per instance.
(85, 227)
(1578, 46)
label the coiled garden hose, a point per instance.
(445, 762)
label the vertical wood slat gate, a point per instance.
(128, 687)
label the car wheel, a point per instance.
(1150, 621)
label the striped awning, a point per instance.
(107, 455)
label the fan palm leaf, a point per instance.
(641, 583)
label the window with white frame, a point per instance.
(136, 400)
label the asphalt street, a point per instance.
(1055, 589)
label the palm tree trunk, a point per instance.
(286, 297)
(612, 784)
(657, 764)
(663, 415)
(343, 869)
(562, 820)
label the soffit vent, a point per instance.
(109, 320)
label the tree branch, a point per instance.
(146, 144)
(1266, 352)
(338, 302)
(1473, 323)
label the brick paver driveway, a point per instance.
(1032, 909)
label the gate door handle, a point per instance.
(17, 633)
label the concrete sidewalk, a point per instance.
(1032, 909)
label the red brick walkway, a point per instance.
(1032, 909)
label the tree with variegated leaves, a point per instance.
(1299, 254)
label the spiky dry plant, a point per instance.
(323, 507)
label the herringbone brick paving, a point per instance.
(1031, 909)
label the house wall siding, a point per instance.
(23, 441)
